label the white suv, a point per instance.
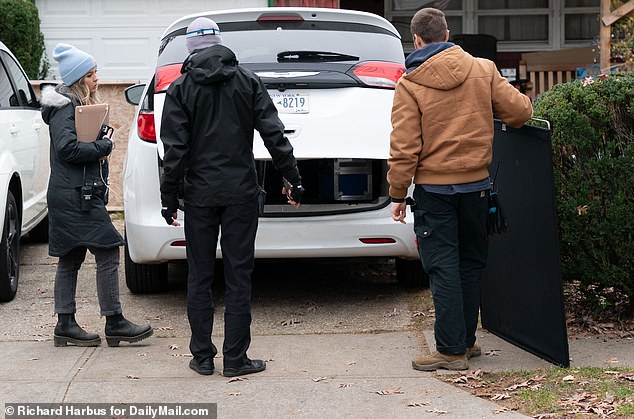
(331, 74)
(24, 169)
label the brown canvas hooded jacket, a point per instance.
(442, 118)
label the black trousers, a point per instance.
(238, 225)
(453, 245)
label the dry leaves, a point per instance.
(390, 392)
(318, 379)
(437, 411)
(393, 313)
(290, 322)
(418, 404)
(347, 385)
(132, 377)
(235, 393)
(588, 403)
(174, 347)
(234, 379)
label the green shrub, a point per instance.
(593, 156)
(20, 31)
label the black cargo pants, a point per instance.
(238, 225)
(453, 245)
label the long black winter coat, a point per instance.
(208, 123)
(73, 165)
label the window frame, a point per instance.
(556, 12)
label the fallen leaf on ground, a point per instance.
(234, 379)
(437, 411)
(418, 404)
(492, 352)
(290, 322)
(392, 313)
(318, 379)
(568, 378)
(500, 410)
(174, 347)
(235, 393)
(501, 396)
(347, 385)
(390, 392)
(132, 377)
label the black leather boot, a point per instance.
(119, 329)
(68, 331)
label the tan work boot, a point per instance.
(437, 361)
(474, 351)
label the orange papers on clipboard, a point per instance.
(89, 119)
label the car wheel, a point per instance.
(40, 233)
(144, 278)
(410, 273)
(10, 251)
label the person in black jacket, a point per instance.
(207, 130)
(77, 215)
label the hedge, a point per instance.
(20, 31)
(593, 155)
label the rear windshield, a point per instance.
(260, 42)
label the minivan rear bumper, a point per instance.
(300, 237)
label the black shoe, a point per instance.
(118, 329)
(68, 331)
(250, 367)
(204, 367)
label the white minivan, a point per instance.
(331, 73)
(24, 169)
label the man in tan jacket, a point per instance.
(442, 136)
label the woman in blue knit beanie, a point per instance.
(77, 215)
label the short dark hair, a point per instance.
(430, 25)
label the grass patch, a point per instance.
(556, 393)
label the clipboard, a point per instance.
(89, 119)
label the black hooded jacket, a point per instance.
(207, 130)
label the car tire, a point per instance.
(144, 278)
(10, 250)
(410, 273)
(40, 233)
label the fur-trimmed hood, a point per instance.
(53, 98)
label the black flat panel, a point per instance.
(522, 296)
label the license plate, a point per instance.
(290, 102)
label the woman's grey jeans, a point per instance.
(107, 280)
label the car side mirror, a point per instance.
(133, 94)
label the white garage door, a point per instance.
(122, 35)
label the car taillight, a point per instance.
(145, 126)
(165, 75)
(379, 73)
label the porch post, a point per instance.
(605, 34)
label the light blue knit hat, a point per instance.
(73, 63)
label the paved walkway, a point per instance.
(308, 376)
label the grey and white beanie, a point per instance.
(202, 33)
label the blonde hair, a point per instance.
(83, 93)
